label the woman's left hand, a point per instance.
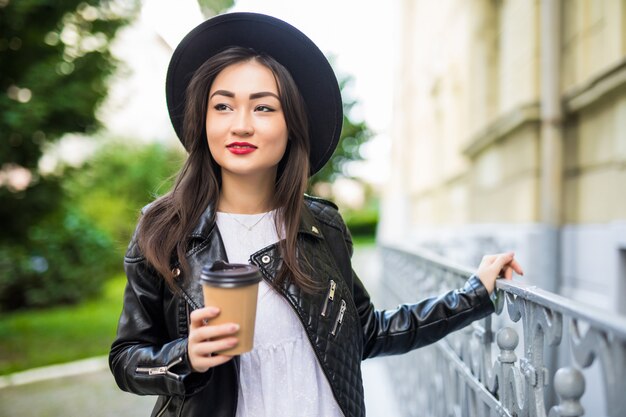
(493, 266)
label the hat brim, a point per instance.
(305, 62)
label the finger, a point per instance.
(488, 259)
(211, 332)
(508, 273)
(220, 359)
(199, 317)
(213, 361)
(502, 260)
(516, 267)
(209, 348)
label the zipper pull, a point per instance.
(161, 370)
(342, 311)
(329, 298)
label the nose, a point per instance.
(242, 125)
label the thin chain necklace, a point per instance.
(245, 226)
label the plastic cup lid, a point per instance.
(223, 274)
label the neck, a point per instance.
(245, 195)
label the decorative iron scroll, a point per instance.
(487, 369)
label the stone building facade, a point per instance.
(509, 132)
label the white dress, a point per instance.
(281, 376)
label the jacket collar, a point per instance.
(205, 224)
(191, 289)
(309, 225)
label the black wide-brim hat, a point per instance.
(305, 62)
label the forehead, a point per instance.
(246, 76)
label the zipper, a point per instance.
(308, 335)
(329, 298)
(162, 411)
(339, 319)
(160, 370)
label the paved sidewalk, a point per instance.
(92, 394)
(90, 390)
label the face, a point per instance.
(245, 123)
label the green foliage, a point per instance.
(66, 260)
(43, 198)
(362, 222)
(112, 187)
(70, 250)
(212, 7)
(54, 68)
(54, 64)
(353, 135)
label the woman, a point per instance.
(257, 106)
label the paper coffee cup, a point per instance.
(233, 288)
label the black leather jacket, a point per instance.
(149, 354)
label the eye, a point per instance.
(263, 108)
(221, 107)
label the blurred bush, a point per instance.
(362, 222)
(113, 186)
(66, 254)
(64, 261)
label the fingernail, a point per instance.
(233, 342)
(213, 310)
(235, 327)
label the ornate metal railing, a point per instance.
(507, 364)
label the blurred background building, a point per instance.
(509, 132)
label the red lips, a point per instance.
(241, 148)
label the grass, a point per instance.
(35, 338)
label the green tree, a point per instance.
(54, 65)
(212, 7)
(353, 135)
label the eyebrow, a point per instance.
(253, 96)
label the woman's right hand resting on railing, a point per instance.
(499, 265)
(201, 346)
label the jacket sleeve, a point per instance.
(143, 358)
(410, 326)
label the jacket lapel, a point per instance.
(211, 248)
(208, 249)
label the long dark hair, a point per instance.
(166, 225)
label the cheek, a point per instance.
(213, 145)
(213, 134)
(280, 145)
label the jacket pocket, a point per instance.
(339, 319)
(330, 296)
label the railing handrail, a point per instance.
(601, 319)
(554, 331)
